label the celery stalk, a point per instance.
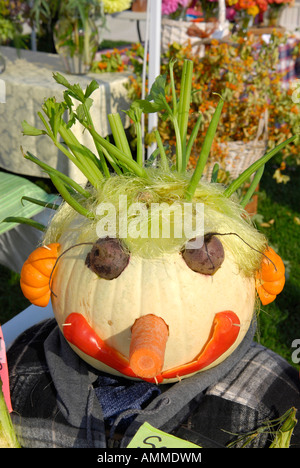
(118, 154)
(184, 105)
(253, 186)
(63, 177)
(204, 151)
(98, 147)
(8, 438)
(163, 156)
(75, 160)
(61, 187)
(83, 155)
(118, 133)
(192, 139)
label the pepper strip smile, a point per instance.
(225, 330)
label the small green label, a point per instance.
(150, 437)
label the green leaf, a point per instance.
(30, 130)
(75, 90)
(82, 108)
(214, 175)
(149, 107)
(60, 79)
(156, 100)
(158, 88)
(91, 88)
(134, 112)
(54, 111)
(68, 100)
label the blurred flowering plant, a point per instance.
(12, 18)
(174, 8)
(184, 9)
(114, 6)
(245, 72)
(119, 60)
(239, 8)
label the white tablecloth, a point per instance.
(28, 81)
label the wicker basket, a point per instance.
(183, 31)
(238, 155)
(177, 31)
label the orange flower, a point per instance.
(102, 65)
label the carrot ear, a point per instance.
(270, 279)
(35, 274)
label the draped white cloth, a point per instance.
(28, 82)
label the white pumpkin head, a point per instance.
(132, 300)
(157, 277)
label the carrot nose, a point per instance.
(149, 336)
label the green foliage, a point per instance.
(278, 219)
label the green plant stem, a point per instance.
(184, 105)
(174, 119)
(163, 156)
(61, 187)
(52, 206)
(82, 154)
(192, 140)
(179, 160)
(253, 185)
(118, 154)
(119, 135)
(255, 166)
(22, 220)
(98, 147)
(62, 176)
(174, 97)
(81, 166)
(112, 161)
(204, 151)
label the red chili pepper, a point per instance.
(225, 331)
(226, 327)
(79, 333)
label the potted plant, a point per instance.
(76, 37)
(12, 18)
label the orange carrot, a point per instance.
(147, 347)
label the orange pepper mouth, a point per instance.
(225, 330)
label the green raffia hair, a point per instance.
(221, 214)
(112, 171)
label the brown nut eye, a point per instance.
(206, 259)
(107, 258)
